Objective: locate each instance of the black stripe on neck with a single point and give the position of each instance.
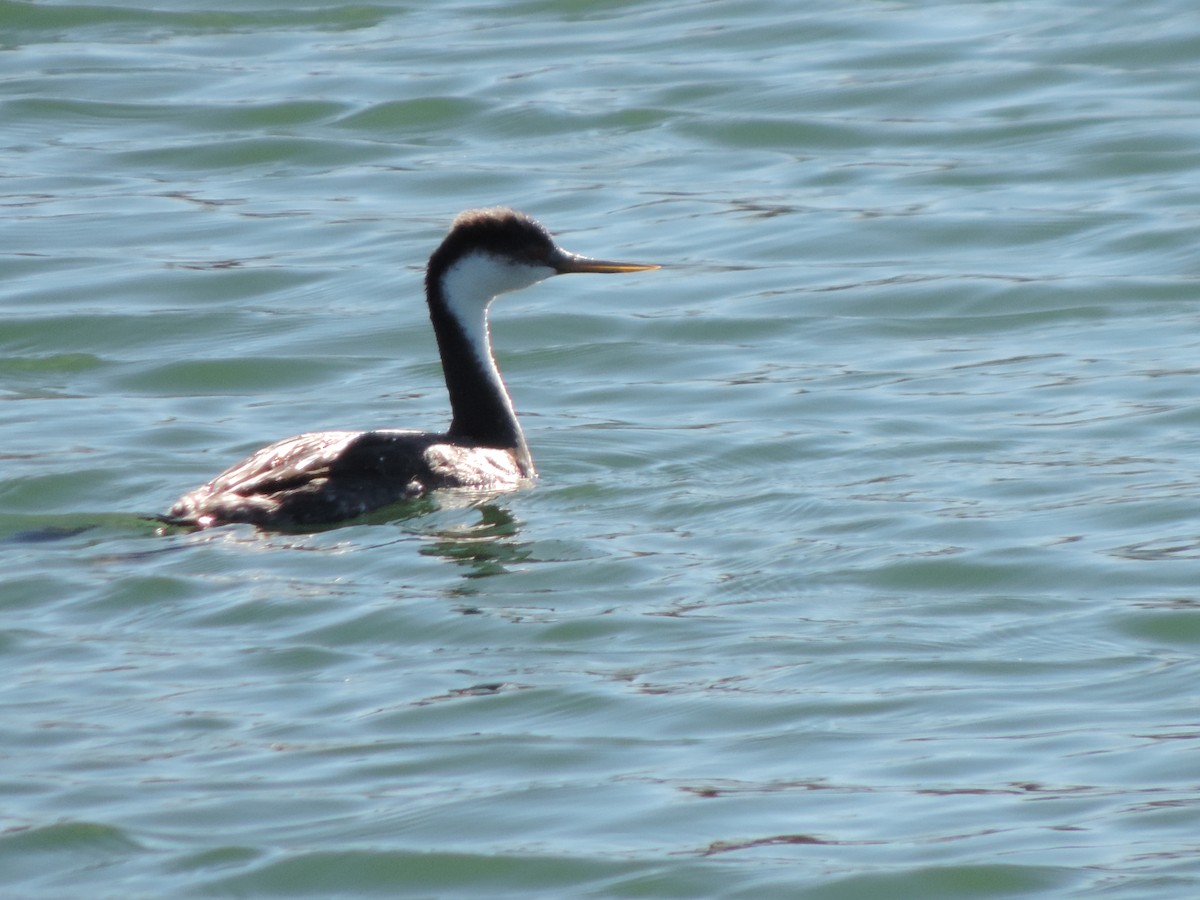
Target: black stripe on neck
(480, 407)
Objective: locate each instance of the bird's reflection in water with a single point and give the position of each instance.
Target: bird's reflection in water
(487, 547)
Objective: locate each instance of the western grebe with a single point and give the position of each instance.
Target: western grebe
(325, 477)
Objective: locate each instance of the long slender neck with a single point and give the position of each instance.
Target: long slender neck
(482, 412)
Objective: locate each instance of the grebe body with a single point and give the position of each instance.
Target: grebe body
(326, 477)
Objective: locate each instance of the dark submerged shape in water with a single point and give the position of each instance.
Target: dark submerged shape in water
(329, 476)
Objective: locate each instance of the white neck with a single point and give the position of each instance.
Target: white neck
(468, 289)
(482, 408)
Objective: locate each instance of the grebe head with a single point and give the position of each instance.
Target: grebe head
(497, 250)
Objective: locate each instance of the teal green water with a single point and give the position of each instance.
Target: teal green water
(865, 558)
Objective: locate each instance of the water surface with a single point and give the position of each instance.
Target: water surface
(865, 553)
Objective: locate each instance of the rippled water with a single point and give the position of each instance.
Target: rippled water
(865, 557)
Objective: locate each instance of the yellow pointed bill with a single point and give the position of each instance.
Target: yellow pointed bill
(571, 262)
